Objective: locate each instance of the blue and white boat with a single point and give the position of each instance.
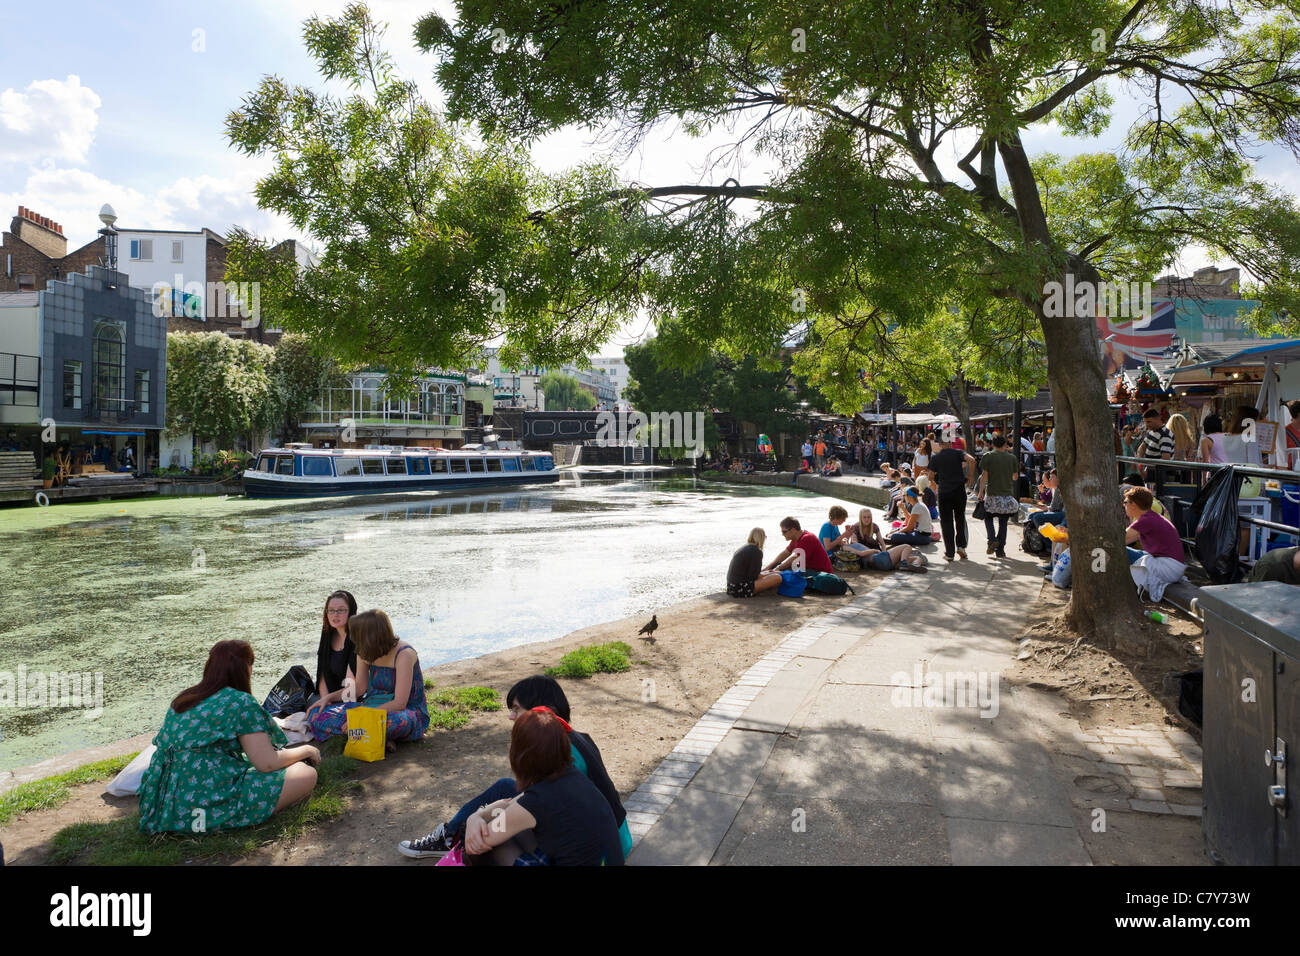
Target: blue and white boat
(300, 471)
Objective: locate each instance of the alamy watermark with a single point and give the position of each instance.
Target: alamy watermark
(26, 689)
(1084, 299)
(959, 689)
(211, 300)
(658, 429)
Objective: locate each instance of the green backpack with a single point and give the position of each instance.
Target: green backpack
(828, 583)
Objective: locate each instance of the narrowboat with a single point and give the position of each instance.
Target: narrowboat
(300, 471)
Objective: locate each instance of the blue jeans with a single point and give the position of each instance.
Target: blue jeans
(916, 538)
(503, 789)
(1039, 518)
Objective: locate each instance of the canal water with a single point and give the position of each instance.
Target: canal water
(138, 591)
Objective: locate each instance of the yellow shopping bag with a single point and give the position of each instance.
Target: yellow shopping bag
(367, 733)
(1053, 533)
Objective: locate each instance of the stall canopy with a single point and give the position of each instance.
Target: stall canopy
(907, 419)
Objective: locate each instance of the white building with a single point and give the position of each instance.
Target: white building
(616, 369)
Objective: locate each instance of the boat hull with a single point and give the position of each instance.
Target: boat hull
(257, 485)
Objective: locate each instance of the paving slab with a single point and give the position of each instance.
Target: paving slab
(835, 833)
(688, 834)
(1011, 782)
(997, 843)
(735, 765)
(877, 768)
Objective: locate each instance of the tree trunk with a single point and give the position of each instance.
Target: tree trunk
(959, 399)
(1104, 603)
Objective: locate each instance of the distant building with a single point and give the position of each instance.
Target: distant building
(616, 369)
(87, 353)
(364, 413)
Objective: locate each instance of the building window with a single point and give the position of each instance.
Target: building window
(26, 282)
(110, 365)
(142, 250)
(142, 389)
(71, 384)
(178, 250)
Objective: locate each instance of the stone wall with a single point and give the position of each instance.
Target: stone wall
(861, 491)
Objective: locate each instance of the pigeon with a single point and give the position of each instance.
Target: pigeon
(649, 628)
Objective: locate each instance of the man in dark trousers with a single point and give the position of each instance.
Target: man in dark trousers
(952, 470)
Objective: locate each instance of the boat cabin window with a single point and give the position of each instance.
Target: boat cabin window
(372, 466)
(476, 464)
(510, 464)
(458, 465)
(529, 464)
(439, 465)
(266, 463)
(493, 464)
(347, 466)
(396, 466)
(315, 465)
(418, 466)
(285, 465)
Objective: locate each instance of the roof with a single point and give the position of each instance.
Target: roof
(18, 300)
(1254, 352)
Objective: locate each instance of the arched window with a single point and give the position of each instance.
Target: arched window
(110, 365)
(370, 397)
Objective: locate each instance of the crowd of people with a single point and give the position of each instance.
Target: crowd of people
(222, 761)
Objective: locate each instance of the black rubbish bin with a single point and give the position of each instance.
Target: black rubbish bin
(1252, 722)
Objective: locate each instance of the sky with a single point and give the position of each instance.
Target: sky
(125, 104)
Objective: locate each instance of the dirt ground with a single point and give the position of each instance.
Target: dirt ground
(703, 647)
(1107, 689)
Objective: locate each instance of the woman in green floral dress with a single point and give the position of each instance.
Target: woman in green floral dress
(218, 764)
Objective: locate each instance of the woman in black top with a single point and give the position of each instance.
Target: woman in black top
(336, 656)
(745, 574)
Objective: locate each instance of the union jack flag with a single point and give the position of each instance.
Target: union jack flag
(1137, 342)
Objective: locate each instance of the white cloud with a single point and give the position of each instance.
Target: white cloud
(72, 197)
(49, 120)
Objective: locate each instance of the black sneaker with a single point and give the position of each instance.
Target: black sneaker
(436, 844)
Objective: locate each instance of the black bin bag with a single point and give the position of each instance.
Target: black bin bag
(1215, 513)
(294, 693)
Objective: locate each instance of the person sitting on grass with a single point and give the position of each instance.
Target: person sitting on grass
(221, 761)
(916, 530)
(336, 655)
(558, 818)
(388, 676)
(536, 691)
(803, 547)
(745, 576)
(1162, 563)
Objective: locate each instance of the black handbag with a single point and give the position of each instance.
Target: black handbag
(294, 693)
(979, 514)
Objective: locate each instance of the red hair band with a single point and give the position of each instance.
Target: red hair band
(563, 723)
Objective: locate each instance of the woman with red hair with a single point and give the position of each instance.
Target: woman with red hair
(219, 764)
(559, 817)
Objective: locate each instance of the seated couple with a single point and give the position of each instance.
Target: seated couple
(832, 468)
(559, 809)
(917, 527)
(746, 575)
(359, 657)
(862, 539)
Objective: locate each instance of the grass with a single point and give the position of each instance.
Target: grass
(609, 658)
(52, 792)
(453, 707)
(120, 842)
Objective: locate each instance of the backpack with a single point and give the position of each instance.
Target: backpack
(1033, 542)
(845, 560)
(828, 583)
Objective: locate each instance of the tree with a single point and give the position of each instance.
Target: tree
(861, 225)
(431, 247)
(564, 391)
(300, 373)
(219, 388)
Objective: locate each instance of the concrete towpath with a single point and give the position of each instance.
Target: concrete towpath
(838, 748)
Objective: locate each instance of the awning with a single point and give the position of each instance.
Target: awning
(87, 431)
(907, 418)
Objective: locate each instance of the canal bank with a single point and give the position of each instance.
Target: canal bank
(703, 645)
(859, 489)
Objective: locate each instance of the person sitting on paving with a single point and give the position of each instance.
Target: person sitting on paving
(1280, 564)
(803, 546)
(918, 526)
